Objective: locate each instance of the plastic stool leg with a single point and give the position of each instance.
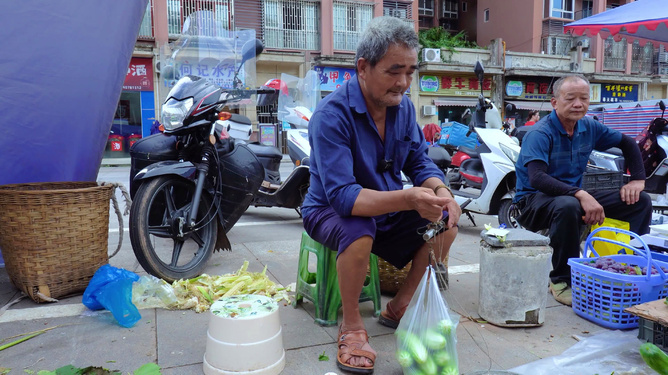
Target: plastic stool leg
(329, 296)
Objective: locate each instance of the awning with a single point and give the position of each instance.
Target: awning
(537, 105)
(455, 102)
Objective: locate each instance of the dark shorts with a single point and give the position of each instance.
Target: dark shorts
(396, 239)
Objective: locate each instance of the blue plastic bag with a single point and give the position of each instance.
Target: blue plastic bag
(111, 289)
(455, 135)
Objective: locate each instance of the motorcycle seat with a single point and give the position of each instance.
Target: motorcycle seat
(269, 152)
(472, 152)
(615, 151)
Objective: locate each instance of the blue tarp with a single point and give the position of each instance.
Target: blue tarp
(62, 67)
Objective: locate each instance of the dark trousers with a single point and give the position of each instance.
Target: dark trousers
(563, 216)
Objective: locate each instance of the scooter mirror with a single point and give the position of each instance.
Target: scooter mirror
(662, 105)
(510, 108)
(251, 49)
(479, 71)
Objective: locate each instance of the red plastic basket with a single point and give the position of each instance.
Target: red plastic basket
(601, 296)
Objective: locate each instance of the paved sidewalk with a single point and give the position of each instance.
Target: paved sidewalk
(175, 340)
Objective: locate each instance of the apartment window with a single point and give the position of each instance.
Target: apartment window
(291, 24)
(485, 15)
(426, 7)
(587, 8)
(449, 9)
(399, 9)
(146, 28)
(179, 10)
(614, 54)
(350, 19)
(562, 8)
(641, 60)
(465, 7)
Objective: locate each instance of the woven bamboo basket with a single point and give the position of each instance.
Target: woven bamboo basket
(391, 278)
(54, 235)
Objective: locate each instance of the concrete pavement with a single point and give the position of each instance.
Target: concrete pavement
(175, 340)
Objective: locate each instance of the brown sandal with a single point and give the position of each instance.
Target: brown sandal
(390, 318)
(351, 343)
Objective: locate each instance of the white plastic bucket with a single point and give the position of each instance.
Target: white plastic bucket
(244, 337)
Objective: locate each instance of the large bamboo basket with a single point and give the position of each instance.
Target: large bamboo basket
(54, 235)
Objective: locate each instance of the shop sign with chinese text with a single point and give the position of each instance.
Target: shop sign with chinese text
(332, 78)
(454, 85)
(529, 89)
(139, 76)
(618, 93)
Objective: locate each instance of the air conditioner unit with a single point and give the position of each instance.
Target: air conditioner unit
(431, 55)
(429, 110)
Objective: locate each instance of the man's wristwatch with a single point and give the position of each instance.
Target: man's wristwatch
(443, 186)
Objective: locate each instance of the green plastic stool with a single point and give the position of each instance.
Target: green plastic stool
(322, 287)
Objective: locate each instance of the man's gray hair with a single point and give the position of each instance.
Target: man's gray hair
(380, 34)
(556, 87)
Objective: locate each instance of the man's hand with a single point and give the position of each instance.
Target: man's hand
(427, 204)
(454, 211)
(630, 193)
(594, 213)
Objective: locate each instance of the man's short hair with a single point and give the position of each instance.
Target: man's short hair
(380, 34)
(556, 86)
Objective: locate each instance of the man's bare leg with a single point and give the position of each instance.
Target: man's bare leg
(351, 266)
(419, 265)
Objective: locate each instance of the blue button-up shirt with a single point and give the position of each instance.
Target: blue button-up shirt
(346, 150)
(566, 158)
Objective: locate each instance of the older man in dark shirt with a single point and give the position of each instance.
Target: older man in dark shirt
(362, 136)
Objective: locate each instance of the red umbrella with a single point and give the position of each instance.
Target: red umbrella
(642, 20)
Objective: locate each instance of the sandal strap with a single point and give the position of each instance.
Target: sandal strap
(395, 315)
(352, 342)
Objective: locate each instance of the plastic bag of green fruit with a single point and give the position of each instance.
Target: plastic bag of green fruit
(426, 338)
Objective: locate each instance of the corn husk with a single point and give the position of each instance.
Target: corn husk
(200, 292)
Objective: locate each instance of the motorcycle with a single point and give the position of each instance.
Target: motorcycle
(490, 167)
(191, 183)
(653, 144)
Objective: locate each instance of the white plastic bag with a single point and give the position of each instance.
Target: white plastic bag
(603, 353)
(426, 338)
(151, 292)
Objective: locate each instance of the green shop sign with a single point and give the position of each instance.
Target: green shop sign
(429, 83)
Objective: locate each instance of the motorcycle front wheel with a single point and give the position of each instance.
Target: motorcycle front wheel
(163, 247)
(508, 214)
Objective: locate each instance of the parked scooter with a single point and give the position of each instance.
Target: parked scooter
(653, 144)
(491, 166)
(191, 183)
(295, 109)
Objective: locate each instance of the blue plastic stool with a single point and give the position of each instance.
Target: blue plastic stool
(322, 287)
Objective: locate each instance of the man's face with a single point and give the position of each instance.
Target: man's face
(384, 84)
(572, 101)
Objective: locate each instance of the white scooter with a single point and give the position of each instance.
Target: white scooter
(495, 161)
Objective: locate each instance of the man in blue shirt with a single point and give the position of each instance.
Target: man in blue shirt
(549, 171)
(362, 136)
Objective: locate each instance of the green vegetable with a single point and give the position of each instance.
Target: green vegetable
(449, 371)
(404, 358)
(445, 326)
(323, 357)
(434, 340)
(429, 367)
(655, 358)
(415, 348)
(441, 357)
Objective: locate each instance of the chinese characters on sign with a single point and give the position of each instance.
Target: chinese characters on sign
(455, 85)
(139, 76)
(618, 93)
(332, 78)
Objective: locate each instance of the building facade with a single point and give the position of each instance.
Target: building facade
(522, 47)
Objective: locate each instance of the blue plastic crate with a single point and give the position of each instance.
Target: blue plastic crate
(601, 296)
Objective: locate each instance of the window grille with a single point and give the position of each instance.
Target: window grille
(641, 60)
(146, 27)
(178, 11)
(399, 9)
(292, 24)
(426, 7)
(350, 19)
(450, 9)
(553, 45)
(614, 54)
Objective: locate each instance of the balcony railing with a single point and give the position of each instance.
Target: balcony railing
(614, 55)
(641, 60)
(350, 20)
(291, 24)
(146, 28)
(179, 10)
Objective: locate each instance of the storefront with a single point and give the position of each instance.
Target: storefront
(135, 113)
(527, 94)
(450, 97)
